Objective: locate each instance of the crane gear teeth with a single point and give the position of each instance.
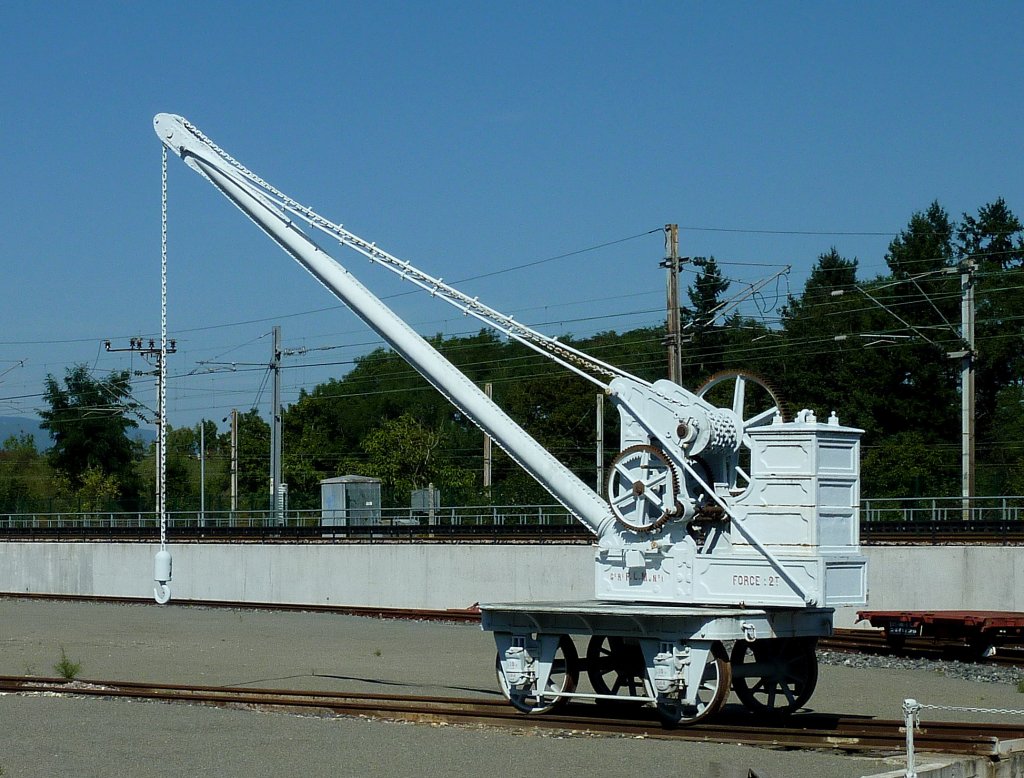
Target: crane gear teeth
(726, 375)
(635, 473)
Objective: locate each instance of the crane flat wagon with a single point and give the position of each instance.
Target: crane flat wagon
(723, 520)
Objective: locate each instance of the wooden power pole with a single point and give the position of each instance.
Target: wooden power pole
(673, 338)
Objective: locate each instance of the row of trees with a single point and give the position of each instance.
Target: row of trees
(876, 350)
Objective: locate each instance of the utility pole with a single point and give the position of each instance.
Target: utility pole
(966, 356)
(673, 338)
(488, 460)
(276, 492)
(600, 444)
(202, 473)
(967, 381)
(153, 349)
(234, 463)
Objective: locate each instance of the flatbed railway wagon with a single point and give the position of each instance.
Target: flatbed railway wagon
(723, 520)
(984, 632)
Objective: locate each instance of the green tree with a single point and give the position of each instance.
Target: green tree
(825, 359)
(995, 238)
(846, 351)
(832, 272)
(705, 341)
(98, 490)
(993, 242)
(88, 420)
(920, 257)
(254, 457)
(184, 468)
(925, 245)
(907, 464)
(27, 481)
(1000, 461)
(407, 455)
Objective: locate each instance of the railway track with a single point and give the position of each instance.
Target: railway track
(807, 731)
(457, 615)
(864, 641)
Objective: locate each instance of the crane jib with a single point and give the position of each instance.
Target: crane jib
(551, 473)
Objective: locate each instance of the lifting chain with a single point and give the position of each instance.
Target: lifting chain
(162, 563)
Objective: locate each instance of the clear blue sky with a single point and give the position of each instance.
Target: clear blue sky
(468, 138)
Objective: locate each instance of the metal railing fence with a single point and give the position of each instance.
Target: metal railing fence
(943, 518)
(318, 519)
(942, 509)
(915, 518)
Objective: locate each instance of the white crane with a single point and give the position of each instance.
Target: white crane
(706, 505)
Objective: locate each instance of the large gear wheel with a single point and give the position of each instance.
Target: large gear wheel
(753, 408)
(642, 488)
(754, 403)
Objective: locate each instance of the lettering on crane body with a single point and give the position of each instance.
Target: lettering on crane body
(637, 576)
(756, 581)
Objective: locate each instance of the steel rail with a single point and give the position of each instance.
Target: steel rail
(863, 641)
(817, 731)
(459, 615)
(872, 641)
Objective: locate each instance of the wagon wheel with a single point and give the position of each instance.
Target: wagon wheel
(563, 678)
(897, 643)
(615, 665)
(774, 676)
(711, 696)
(754, 403)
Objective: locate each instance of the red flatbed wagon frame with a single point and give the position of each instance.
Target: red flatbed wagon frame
(980, 629)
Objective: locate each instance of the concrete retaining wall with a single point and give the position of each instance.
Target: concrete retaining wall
(385, 575)
(456, 576)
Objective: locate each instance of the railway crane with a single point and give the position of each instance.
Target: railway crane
(722, 524)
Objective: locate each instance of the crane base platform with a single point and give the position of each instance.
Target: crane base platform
(653, 620)
(672, 657)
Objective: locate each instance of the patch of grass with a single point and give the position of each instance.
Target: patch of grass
(1020, 686)
(65, 668)
(378, 652)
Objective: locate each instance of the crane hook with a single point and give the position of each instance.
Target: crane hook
(162, 576)
(162, 593)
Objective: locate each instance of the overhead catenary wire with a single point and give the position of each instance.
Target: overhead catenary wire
(724, 261)
(352, 361)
